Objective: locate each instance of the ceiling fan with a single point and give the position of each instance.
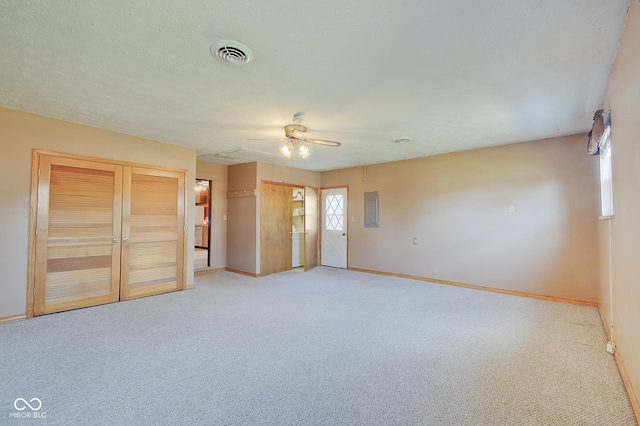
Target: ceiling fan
(296, 133)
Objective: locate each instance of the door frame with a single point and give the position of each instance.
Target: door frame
(311, 244)
(33, 210)
(209, 217)
(321, 220)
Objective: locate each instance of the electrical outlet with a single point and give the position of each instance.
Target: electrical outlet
(225, 217)
(415, 241)
(353, 218)
(611, 347)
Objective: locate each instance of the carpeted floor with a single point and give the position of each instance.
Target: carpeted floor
(200, 258)
(325, 347)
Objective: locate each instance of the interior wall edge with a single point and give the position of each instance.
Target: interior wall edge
(635, 404)
(481, 288)
(605, 323)
(618, 283)
(13, 318)
(237, 271)
(208, 271)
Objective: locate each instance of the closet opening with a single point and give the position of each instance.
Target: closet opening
(297, 228)
(288, 227)
(202, 246)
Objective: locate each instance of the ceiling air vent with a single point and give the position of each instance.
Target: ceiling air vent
(403, 140)
(231, 52)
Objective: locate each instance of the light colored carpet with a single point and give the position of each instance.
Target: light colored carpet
(325, 347)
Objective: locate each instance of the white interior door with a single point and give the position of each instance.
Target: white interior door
(334, 227)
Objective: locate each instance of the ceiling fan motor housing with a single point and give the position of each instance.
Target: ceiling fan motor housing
(295, 131)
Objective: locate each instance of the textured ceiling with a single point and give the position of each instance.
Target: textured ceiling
(451, 75)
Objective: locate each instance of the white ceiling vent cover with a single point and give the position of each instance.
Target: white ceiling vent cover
(403, 140)
(231, 52)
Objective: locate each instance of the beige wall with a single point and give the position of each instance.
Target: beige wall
(282, 174)
(20, 133)
(622, 97)
(457, 205)
(217, 174)
(242, 219)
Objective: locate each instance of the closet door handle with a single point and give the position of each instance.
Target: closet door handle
(116, 241)
(126, 240)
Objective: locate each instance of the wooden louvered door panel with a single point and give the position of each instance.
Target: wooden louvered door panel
(77, 234)
(152, 231)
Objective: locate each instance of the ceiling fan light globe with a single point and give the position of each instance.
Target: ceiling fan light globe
(286, 150)
(304, 151)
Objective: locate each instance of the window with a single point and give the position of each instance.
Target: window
(606, 184)
(335, 213)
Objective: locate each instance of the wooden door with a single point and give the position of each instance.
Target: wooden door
(310, 228)
(275, 228)
(152, 232)
(78, 224)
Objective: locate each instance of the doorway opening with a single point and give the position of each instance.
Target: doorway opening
(297, 228)
(202, 254)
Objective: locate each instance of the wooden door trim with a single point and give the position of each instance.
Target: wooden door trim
(292, 185)
(182, 218)
(106, 160)
(126, 232)
(335, 187)
(33, 210)
(43, 186)
(318, 226)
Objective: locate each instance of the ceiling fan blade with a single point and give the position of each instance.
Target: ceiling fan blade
(325, 143)
(268, 139)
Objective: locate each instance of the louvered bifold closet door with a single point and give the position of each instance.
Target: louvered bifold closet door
(152, 231)
(77, 234)
(276, 210)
